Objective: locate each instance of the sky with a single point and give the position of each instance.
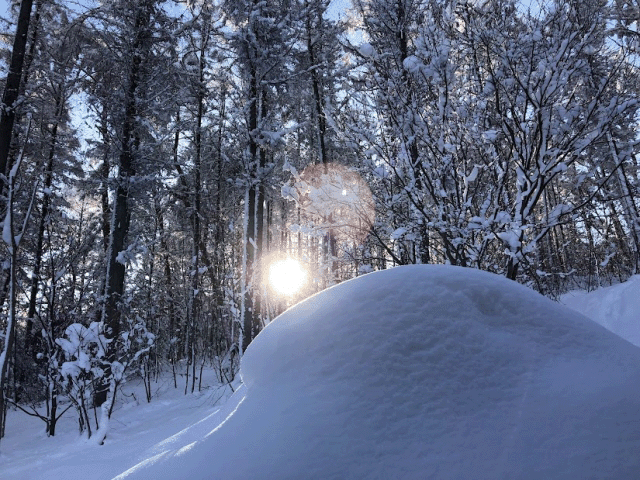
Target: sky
(334, 8)
(4, 9)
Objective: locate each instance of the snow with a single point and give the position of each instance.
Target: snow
(411, 63)
(136, 431)
(616, 308)
(511, 238)
(398, 233)
(415, 372)
(423, 372)
(6, 230)
(472, 176)
(367, 50)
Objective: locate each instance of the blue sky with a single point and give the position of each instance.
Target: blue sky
(4, 8)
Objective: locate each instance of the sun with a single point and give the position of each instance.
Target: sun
(287, 276)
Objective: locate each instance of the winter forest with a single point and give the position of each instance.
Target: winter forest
(157, 157)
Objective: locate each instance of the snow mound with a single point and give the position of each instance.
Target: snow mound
(617, 308)
(425, 372)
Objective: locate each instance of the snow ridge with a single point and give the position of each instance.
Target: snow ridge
(426, 372)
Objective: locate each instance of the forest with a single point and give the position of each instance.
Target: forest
(157, 156)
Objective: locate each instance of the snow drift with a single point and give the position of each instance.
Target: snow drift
(616, 307)
(425, 372)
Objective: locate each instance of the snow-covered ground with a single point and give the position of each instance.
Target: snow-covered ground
(616, 308)
(137, 430)
(414, 372)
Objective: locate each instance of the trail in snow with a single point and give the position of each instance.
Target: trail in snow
(137, 431)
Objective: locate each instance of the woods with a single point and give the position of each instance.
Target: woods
(156, 156)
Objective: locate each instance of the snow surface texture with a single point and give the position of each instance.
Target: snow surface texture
(424, 372)
(616, 308)
(171, 420)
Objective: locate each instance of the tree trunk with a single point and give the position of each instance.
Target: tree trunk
(10, 331)
(13, 242)
(44, 214)
(251, 250)
(121, 217)
(12, 87)
(197, 185)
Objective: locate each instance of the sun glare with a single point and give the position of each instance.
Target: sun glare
(287, 276)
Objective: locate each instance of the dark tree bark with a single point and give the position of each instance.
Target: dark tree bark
(251, 250)
(104, 180)
(12, 87)
(197, 185)
(44, 214)
(116, 269)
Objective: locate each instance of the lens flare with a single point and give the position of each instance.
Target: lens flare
(336, 199)
(287, 276)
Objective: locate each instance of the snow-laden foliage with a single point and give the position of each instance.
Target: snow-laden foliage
(487, 129)
(83, 371)
(82, 348)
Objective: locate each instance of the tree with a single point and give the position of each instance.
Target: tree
(12, 239)
(12, 86)
(133, 35)
(482, 114)
(259, 43)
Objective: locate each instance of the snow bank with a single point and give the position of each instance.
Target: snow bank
(425, 372)
(616, 308)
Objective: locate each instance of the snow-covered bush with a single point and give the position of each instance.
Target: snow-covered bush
(87, 372)
(136, 345)
(84, 352)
